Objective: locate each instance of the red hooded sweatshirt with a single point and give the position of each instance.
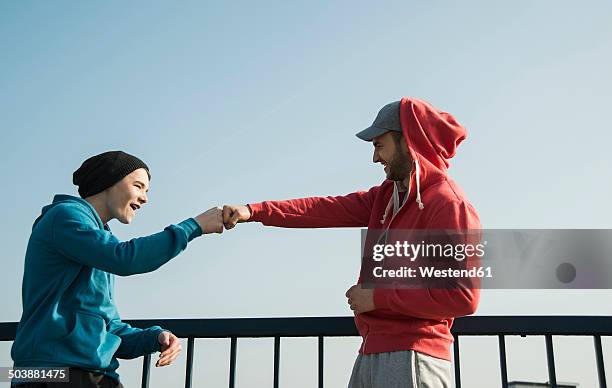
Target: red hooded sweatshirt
(404, 319)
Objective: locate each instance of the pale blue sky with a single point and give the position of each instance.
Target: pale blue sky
(241, 102)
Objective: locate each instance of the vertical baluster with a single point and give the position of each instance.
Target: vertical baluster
(457, 364)
(146, 369)
(502, 361)
(552, 376)
(276, 360)
(320, 361)
(232, 366)
(601, 370)
(189, 368)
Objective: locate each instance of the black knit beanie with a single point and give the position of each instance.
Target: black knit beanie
(100, 172)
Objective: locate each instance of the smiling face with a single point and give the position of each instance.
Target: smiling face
(391, 151)
(125, 197)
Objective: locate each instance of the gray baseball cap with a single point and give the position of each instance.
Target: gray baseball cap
(388, 119)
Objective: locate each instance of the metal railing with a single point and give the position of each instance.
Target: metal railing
(321, 327)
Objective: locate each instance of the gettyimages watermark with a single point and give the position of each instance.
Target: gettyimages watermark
(487, 258)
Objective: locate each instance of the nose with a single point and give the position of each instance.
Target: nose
(375, 158)
(143, 198)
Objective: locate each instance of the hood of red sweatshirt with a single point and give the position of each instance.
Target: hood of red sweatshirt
(432, 137)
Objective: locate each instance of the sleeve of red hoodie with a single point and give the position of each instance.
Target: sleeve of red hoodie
(436, 303)
(352, 210)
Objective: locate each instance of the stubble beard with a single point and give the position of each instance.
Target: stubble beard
(399, 167)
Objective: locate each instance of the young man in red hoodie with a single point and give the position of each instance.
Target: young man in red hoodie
(406, 332)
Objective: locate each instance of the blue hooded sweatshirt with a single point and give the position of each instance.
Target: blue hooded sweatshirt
(69, 314)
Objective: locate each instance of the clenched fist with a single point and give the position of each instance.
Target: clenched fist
(233, 214)
(211, 221)
(360, 299)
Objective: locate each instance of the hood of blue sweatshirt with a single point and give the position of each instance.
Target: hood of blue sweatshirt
(63, 199)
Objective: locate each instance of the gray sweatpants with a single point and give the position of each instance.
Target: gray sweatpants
(403, 369)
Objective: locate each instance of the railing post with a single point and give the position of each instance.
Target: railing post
(146, 369)
(321, 361)
(502, 361)
(232, 366)
(189, 368)
(457, 364)
(552, 376)
(276, 360)
(601, 370)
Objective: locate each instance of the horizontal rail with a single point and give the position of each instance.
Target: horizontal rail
(534, 325)
(345, 326)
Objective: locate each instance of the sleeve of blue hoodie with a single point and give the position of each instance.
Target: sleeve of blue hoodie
(77, 235)
(135, 342)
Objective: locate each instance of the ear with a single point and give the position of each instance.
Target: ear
(404, 146)
(404, 150)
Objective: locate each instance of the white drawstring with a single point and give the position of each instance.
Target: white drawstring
(418, 183)
(382, 221)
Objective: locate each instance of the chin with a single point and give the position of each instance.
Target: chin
(125, 220)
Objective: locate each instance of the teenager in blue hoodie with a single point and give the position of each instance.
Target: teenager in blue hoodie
(69, 315)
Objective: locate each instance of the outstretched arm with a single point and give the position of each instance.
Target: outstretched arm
(83, 241)
(352, 210)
